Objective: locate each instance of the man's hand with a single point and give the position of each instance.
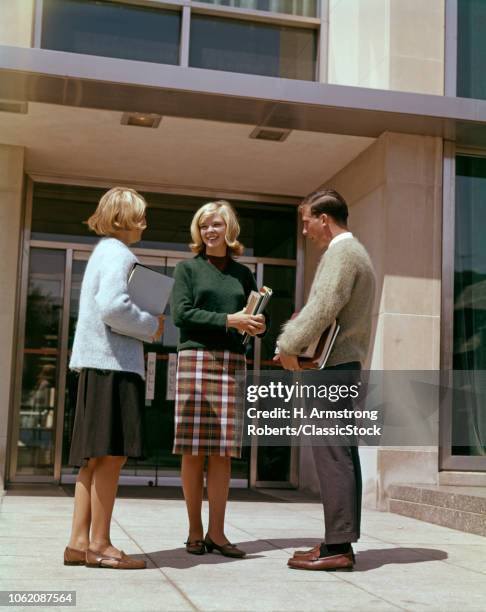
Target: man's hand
(288, 362)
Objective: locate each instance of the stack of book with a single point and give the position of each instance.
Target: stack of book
(257, 302)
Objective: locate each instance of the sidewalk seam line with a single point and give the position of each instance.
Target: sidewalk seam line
(168, 578)
(370, 593)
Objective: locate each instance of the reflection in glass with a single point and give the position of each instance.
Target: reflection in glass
(253, 48)
(36, 441)
(159, 412)
(72, 377)
(471, 49)
(305, 8)
(469, 415)
(273, 462)
(110, 29)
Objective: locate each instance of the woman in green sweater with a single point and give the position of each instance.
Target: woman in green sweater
(208, 298)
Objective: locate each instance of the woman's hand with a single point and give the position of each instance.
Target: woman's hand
(251, 324)
(160, 329)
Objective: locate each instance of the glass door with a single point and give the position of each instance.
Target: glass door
(463, 419)
(160, 466)
(34, 433)
(276, 466)
(46, 389)
(159, 402)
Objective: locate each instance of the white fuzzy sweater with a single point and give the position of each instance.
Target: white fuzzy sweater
(104, 302)
(343, 288)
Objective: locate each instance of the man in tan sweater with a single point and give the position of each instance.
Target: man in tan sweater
(343, 289)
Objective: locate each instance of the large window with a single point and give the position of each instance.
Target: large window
(469, 412)
(232, 42)
(471, 49)
(254, 48)
(111, 30)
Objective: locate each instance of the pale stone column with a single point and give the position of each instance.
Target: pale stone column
(17, 23)
(387, 44)
(11, 182)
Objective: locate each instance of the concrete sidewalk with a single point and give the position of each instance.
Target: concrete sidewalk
(402, 563)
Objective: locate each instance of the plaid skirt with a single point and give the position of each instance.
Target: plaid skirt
(209, 403)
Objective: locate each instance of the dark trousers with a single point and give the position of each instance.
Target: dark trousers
(339, 472)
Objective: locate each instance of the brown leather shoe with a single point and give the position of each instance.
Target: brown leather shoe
(97, 559)
(305, 553)
(342, 562)
(74, 557)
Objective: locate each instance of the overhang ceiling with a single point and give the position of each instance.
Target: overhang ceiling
(65, 141)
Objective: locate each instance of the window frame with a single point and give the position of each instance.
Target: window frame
(188, 7)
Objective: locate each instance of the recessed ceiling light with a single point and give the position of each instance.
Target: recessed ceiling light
(148, 120)
(10, 106)
(270, 133)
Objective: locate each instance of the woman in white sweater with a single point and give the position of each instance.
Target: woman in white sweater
(109, 419)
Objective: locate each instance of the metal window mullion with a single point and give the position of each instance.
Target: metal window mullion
(62, 365)
(300, 261)
(257, 354)
(450, 48)
(37, 24)
(185, 36)
(323, 43)
(448, 248)
(295, 449)
(447, 303)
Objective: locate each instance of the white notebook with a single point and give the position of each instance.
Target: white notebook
(150, 291)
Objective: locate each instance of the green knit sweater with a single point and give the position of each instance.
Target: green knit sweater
(203, 296)
(343, 288)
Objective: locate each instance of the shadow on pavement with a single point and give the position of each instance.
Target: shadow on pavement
(373, 558)
(366, 560)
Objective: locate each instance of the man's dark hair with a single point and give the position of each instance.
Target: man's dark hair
(327, 201)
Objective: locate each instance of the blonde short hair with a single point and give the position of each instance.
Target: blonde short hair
(120, 208)
(228, 214)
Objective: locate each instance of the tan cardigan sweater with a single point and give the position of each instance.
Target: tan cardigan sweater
(343, 288)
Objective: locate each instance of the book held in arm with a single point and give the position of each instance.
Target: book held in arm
(315, 356)
(150, 291)
(256, 304)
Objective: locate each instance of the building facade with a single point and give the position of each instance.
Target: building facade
(259, 102)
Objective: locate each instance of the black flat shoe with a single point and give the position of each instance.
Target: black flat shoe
(227, 550)
(196, 547)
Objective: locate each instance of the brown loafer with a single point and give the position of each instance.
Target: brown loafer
(227, 550)
(74, 557)
(305, 553)
(196, 547)
(97, 559)
(331, 563)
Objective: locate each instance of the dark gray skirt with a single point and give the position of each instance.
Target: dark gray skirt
(109, 419)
